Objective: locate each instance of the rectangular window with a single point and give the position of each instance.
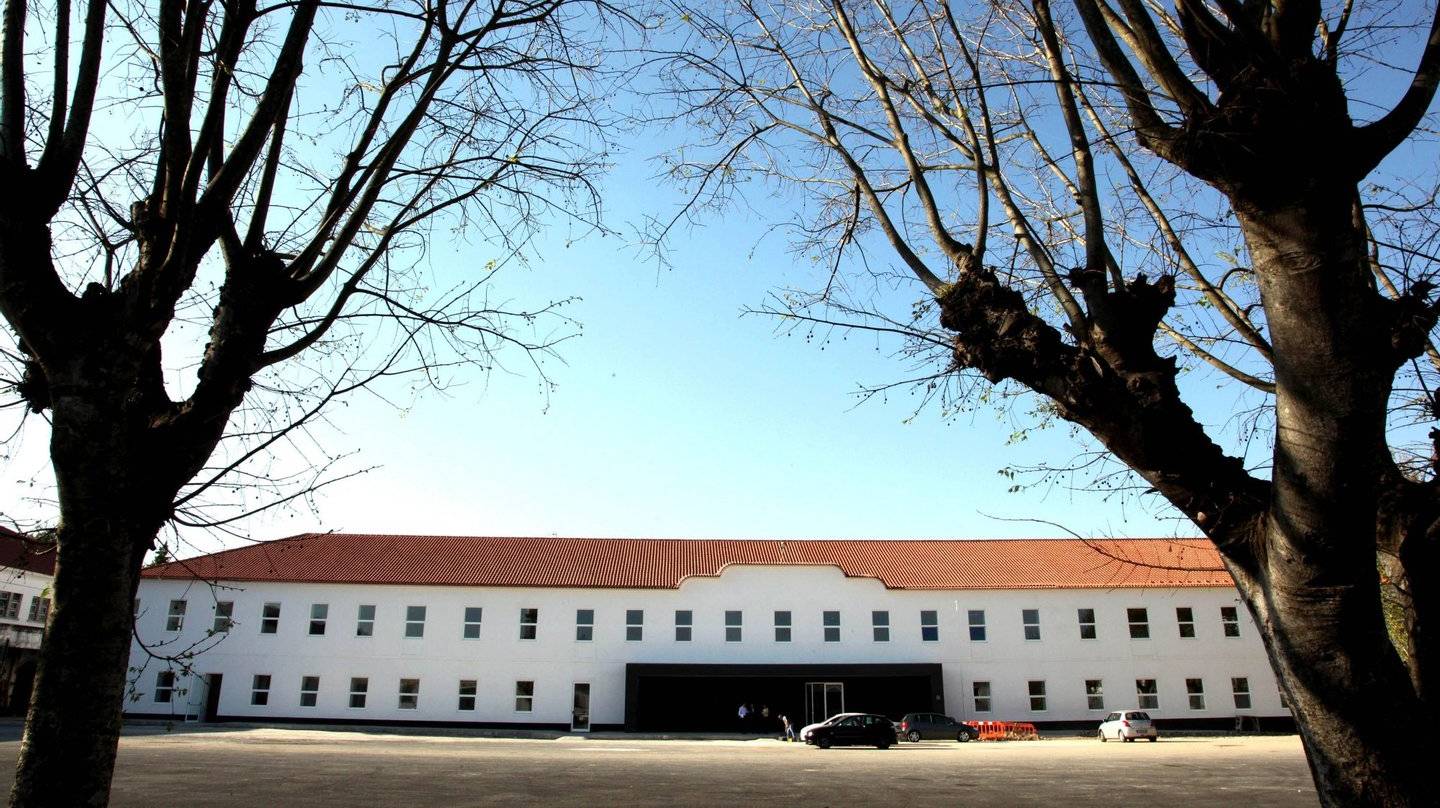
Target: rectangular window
(1094, 694)
(977, 625)
(174, 619)
(684, 622)
(224, 610)
(1087, 623)
(733, 625)
(1240, 687)
(1230, 621)
(10, 606)
(524, 697)
(929, 626)
(1185, 619)
(782, 627)
(1037, 697)
(409, 694)
(414, 622)
(584, 625)
(270, 618)
(1147, 694)
(164, 686)
(39, 609)
(319, 616)
(1031, 619)
(634, 625)
(880, 626)
(309, 690)
(365, 621)
(467, 694)
(471, 631)
(981, 692)
(1139, 625)
(832, 626)
(1195, 689)
(260, 690)
(359, 687)
(529, 623)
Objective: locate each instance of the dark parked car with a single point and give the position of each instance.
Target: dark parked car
(865, 729)
(915, 726)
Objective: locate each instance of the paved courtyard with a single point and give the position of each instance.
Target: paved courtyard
(244, 766)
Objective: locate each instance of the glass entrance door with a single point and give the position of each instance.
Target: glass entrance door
(822, 700)
(580, 715)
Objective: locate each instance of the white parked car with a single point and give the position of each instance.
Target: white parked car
(805, 730)
(1127, 725)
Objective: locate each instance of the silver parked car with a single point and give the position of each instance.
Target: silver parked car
(1127, 725)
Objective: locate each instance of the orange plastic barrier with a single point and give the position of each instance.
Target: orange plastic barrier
(1005, 730)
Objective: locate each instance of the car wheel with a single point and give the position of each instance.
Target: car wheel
(823, 743)
(883, 745)
(1101, 735)
(913, 736)
(962, 736)
(1154, 738)
(1127, 740)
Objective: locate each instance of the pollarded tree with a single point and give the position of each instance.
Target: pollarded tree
(1055, 184)
(253, 191)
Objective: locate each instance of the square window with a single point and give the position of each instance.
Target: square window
(1094, 694)
(524, 697)
(684, 622)
(471, 630)
(223, 611)
(782, 626)
(1240, 687)
(174, 619)
(1185, 619)
(1147, 694)
(10, 607)
(260, 690)
(414, 622)
(309, 690)
(359, 687)
(584, 625)
(1031, 619)
(733, 626)
(467, 695)
(1037, 696)
(1230, 621)
(529, 623)
(1139, 620)
(319, 614)
(880, 626)
(634, 625)
(409, 694)
(981, 692)
(831, 622)
(929, 626)
(1195, 689)
(976, 618)
(365, 621)
(1087, 623)
(270, 618)
(164, 686)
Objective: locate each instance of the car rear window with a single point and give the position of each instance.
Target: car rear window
(1139, 716)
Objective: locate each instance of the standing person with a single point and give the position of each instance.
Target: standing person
(744, 714)
(789, 728)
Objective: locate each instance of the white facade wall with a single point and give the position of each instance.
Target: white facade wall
(555, 660)
(24, 587)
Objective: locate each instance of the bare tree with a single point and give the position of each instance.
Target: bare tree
(1087, 205)
(254, 193)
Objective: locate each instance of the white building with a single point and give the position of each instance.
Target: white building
(27, 570)
(647, 634)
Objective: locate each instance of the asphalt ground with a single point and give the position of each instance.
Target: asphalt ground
(250, 767)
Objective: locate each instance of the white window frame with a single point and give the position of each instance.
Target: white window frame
(165, 687)
(830, 625)
(270, 623)
(1030, 619)
(1185, 619)
(1139, 629)
(39, 609)
(525, 696)
(468, 692)
(734, 625)
(1195, 692)
(980, 694)
(975, 619)
(359, 686)
(784, 627)
(260, 691)
(533, 624)
(880, 625)
(584, 625)
(1147, 699)
(930, 619)
(1240, 691)
(224, 616)
(470, 628)
(174, 616)
(1036, 690)
(634, 625)
(408, 693)
(684, 632)
(1080, 614)
(306, 690)
(365, 626)
(319, 619)
(415, 626)
(1230, 622)
(1095, 694)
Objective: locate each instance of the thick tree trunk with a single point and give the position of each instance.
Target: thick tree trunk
(113, 500)
(1317, 594)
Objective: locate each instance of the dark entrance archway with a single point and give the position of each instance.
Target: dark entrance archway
(706, 698)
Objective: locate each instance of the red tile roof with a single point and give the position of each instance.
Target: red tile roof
(21, 552)
(665, 563)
